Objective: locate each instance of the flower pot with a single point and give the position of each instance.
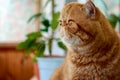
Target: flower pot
(47, 66)
(36, 71)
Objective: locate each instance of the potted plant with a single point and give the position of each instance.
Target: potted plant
(36, 42)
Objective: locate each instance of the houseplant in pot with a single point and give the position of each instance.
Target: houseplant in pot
(36, 43)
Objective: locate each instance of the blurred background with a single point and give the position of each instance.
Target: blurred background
(22, 20)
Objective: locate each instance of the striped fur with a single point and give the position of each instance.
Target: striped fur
(93, 46)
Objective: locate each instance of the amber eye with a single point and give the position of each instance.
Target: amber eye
(70, 21)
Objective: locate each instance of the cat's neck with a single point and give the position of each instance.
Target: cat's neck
(94, 52)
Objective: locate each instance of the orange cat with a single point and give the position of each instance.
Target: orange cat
(93, 46)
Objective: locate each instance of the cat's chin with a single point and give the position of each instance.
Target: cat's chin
(75, 40)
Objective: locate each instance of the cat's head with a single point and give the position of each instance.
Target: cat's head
(78, 24)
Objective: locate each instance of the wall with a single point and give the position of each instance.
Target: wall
(13, 19)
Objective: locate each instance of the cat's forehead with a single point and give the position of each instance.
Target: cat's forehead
(72, 5)
(70, 10)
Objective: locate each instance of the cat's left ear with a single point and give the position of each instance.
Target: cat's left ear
(90, 9)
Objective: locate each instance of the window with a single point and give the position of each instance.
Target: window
(13, 19)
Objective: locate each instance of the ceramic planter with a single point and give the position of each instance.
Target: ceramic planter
(47, 66)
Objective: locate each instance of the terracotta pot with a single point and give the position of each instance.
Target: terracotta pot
(36, 71)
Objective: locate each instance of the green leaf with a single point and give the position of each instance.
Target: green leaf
(54, 22)
(34, 17)
(62, 46)
(46, 23)
(29, 47)
(40, 49)
(20, 46)
(44, 30)
(23, 44)
(113, 19)
(34, 35)
(27, 51)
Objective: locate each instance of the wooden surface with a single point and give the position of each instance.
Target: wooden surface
(13, 64)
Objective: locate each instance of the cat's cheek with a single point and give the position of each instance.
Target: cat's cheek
(61, 32)
(73, 41)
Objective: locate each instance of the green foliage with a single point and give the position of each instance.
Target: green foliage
(31, 44)
(62, 46)
(34, 35)
(35, 40)
(46, 24)
(54, 22)
(40, 48)
(113, 19)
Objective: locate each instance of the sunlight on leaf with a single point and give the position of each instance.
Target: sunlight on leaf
(34, 35)
(54, 22)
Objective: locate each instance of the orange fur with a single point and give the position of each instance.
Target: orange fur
(93, 46)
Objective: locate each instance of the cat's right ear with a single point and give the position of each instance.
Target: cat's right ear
(90, 9)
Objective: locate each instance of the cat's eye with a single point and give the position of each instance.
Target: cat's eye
(71, 20)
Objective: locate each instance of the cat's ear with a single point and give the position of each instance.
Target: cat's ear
(90, 9)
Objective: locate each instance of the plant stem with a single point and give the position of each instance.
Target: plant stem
(53, 5)
(52, 34)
